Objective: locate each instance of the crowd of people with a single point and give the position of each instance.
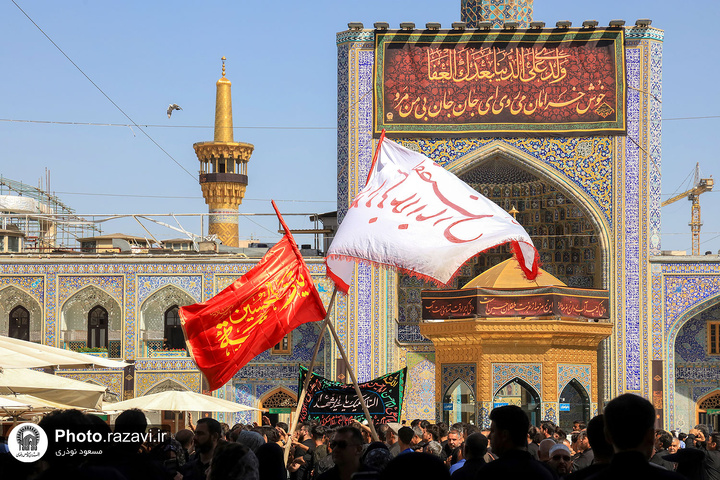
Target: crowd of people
(621, 443)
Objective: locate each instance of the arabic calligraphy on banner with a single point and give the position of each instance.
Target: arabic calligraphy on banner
(549, 301)
(523, 82)
(335, 403)
(273, 297)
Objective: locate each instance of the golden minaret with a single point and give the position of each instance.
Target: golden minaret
(223, 169)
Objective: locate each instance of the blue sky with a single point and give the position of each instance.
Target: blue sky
(281, 58)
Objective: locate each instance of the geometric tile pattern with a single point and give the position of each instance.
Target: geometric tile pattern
(243, 396)
(420, 394)
(567, 373)
(192, 284)
(695, 371)
(657, 317)
(30, 284)
(496, 12)
(549, 412)
(451, 372)
(631, 225)
(690, 295)
(530, 373)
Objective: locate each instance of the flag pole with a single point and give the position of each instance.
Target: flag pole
(355, 384)
(301, 397)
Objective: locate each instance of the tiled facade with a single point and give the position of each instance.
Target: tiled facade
(46, 285)
(616, 180)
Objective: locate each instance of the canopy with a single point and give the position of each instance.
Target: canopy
(35, 403)
(53, 388)
(16, 353)
(181, 401)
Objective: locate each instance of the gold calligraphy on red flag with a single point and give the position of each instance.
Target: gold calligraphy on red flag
(251, 315)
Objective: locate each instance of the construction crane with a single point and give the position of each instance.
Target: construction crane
(701, 185)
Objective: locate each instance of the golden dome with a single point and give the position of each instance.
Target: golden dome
(509, 275)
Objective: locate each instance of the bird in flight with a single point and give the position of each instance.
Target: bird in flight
(173, 106)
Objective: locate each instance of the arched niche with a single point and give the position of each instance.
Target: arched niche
(707, 410)
(74, 318)
(166, 385)
(687, 346)
(574, 404)
(562, 220)
(279, 398)
(459, 404)
(152, 314)
(11, 298)
(518, 392)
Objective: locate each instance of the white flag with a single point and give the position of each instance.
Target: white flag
(416, 216)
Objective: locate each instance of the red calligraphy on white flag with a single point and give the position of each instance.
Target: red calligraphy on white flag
(416, 216)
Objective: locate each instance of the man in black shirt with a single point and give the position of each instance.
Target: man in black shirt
(585, 456)
(663, 440)
(302, 465)
(508, 437)
(712, 458)
(630, 426)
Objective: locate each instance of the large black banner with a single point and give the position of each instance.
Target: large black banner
(335, 403)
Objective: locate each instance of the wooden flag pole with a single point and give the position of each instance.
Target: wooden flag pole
(355, 384)
(301, 397)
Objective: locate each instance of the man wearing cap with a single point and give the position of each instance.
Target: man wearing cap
(391, 437)
(560, 459)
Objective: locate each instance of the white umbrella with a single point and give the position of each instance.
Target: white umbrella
(184, 401)
(16, 353)
(16, 406)
(66, 391)
(35, 404)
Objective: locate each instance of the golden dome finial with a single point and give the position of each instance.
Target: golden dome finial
(223, 60)
(513, 212)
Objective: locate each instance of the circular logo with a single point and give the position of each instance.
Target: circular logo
(27, 442)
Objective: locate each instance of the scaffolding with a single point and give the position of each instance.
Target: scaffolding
(47, 223)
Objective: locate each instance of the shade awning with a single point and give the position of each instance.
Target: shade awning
(181, 401)
(16, 353)
(53, 388)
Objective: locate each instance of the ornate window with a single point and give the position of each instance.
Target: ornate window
(279, 399)
(97, 328)
(19, 326)
(710, 402)
(173, 336)
(284, 346)
(713, 337)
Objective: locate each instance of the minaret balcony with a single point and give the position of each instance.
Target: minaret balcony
(224, 177)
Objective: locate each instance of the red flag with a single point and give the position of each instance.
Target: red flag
(253, 314)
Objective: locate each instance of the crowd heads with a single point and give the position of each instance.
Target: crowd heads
(618, 444)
